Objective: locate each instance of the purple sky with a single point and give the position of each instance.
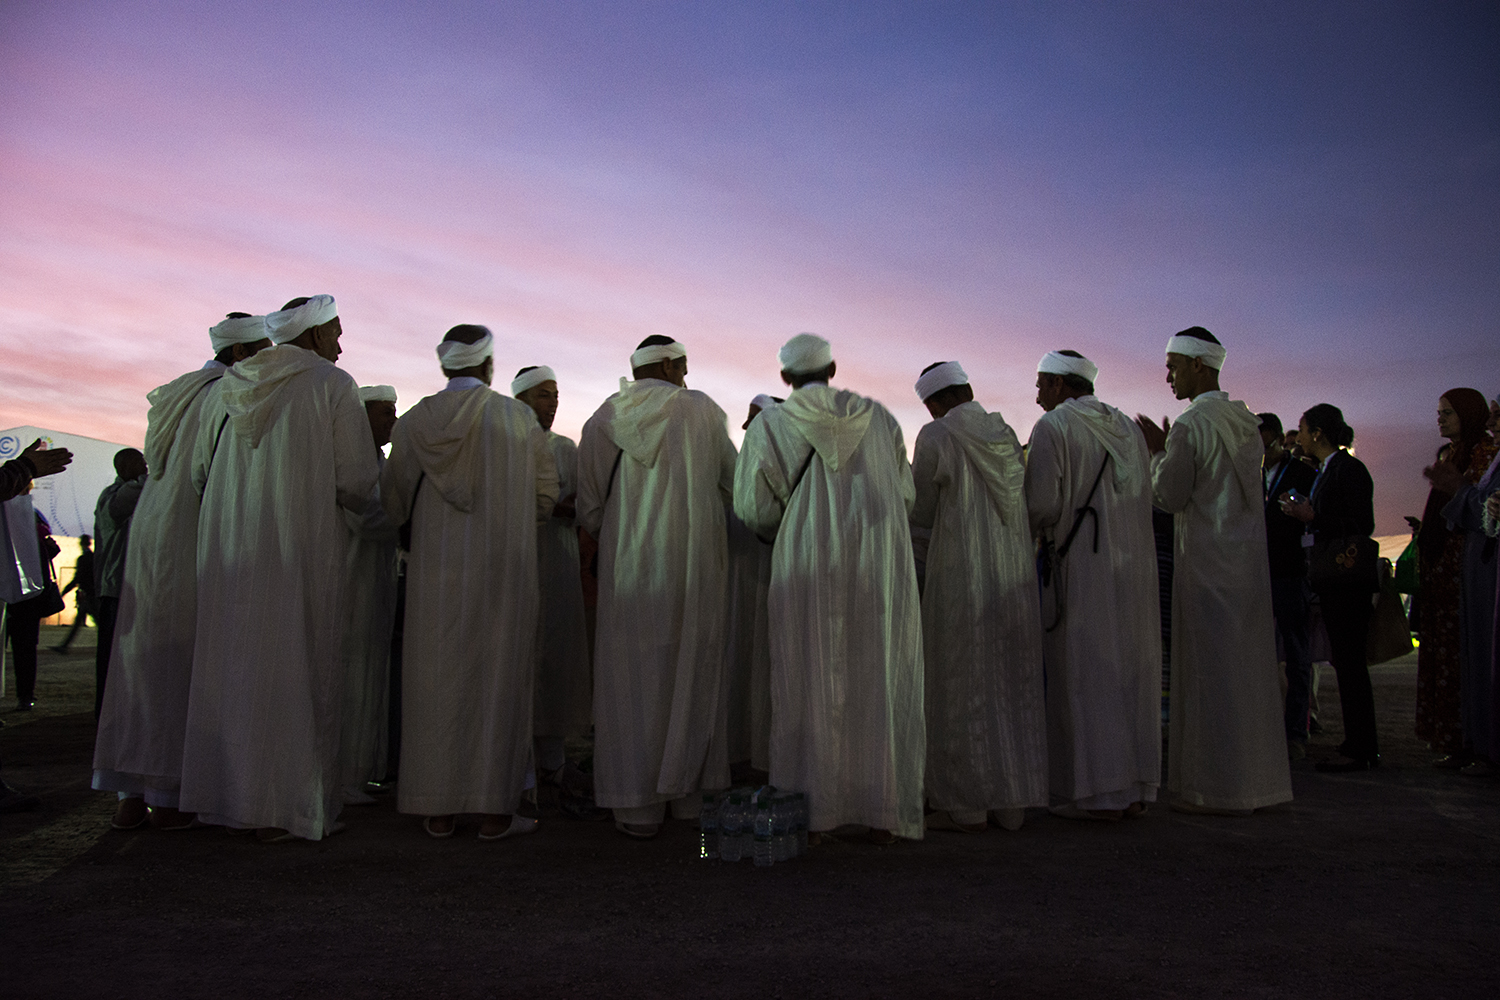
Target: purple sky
(1319, 184)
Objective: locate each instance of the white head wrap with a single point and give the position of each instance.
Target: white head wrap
(804, 354)
(289, 324)
(455, 355)
(653, 353)
(377, 394)
(939, 378)
(1054, 363)
(531, 379)
(764, 401)
(243, 330)
(1211, 354)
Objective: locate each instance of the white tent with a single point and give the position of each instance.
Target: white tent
(67, 499)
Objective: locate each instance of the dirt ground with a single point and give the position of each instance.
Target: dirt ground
(1382, 884)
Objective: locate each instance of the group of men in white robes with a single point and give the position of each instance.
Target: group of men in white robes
(761, 605)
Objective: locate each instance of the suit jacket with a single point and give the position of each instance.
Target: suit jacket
(1284, 532)
(1343, 499)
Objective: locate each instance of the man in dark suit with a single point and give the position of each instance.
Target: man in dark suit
(1290, 597)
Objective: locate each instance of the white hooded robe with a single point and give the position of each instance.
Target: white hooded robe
(472, 470)
(981, 627)
(1227, 748)
(1103, 654)
(372, 564)
(262, 743)
(655, 472)
(564, 683)
(845, 621)
(138, 748)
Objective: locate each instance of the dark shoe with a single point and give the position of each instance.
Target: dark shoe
(1349, 764)
(24, 706)
(1453, 761)
(59, 649)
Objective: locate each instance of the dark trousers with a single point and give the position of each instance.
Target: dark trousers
(109, 608)
(79, 620)
(1347, 618)
(1290, 603)
(23, 631)
(393, 719)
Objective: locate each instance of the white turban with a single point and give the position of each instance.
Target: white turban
(939, 378)
(653, 353)
(455, 355)
(764, 401)
(289, 324)
(1055, 363)
(243, 330)
(1210, 353)
(377, 394)
(804, 354)
(531, 379)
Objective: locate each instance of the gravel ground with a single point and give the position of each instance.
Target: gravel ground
(1379, 884)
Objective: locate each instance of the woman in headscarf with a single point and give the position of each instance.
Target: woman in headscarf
(1462, 418)
(1464, 514)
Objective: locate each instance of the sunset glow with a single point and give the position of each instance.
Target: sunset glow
(1317, 184)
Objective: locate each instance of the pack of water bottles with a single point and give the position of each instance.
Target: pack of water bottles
(764, 824)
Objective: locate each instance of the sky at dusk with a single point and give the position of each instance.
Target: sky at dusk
(1317, 183)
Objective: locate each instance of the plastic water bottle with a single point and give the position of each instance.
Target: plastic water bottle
(708, 827)
(782, 838)
(763, 833)
(799, 800)
(731, 826)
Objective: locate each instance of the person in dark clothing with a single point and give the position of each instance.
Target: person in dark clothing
(15, 479)
(1290, 597)
(83, 582)
(1342, 508)
(112, 516)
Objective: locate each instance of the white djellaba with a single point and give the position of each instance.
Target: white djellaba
(981, 626)
(845, 620)
(372, 566)
(1103, 652)
(471, 469)
(263, 714)
(749, 637)
(138, 749)
(655, 472)
(1227, 744)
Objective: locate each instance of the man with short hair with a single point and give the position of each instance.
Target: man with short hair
(981, 627)
(1290, 597)
(655, 472)
(825, 474)
(564, 683)
(283, 444)
(138, 750)
(371, 567)
(1089, 503)
(1226, 754)
(472, 471)
(112, 516)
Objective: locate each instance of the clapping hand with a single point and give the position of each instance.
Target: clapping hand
(1444, 476)
(46, 461)
(1156, 437)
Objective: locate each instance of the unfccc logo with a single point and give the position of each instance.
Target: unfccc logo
(10, 447)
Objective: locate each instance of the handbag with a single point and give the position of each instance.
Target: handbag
(1390, 634)
(1408, 574)
(1344, 564)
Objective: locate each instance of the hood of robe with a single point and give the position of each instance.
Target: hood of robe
(169, 403)
(1117, 434)
(641, 414)
(443, 439)
(1233, 423)
(252, 388)
(833, 421)
(992, 448)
